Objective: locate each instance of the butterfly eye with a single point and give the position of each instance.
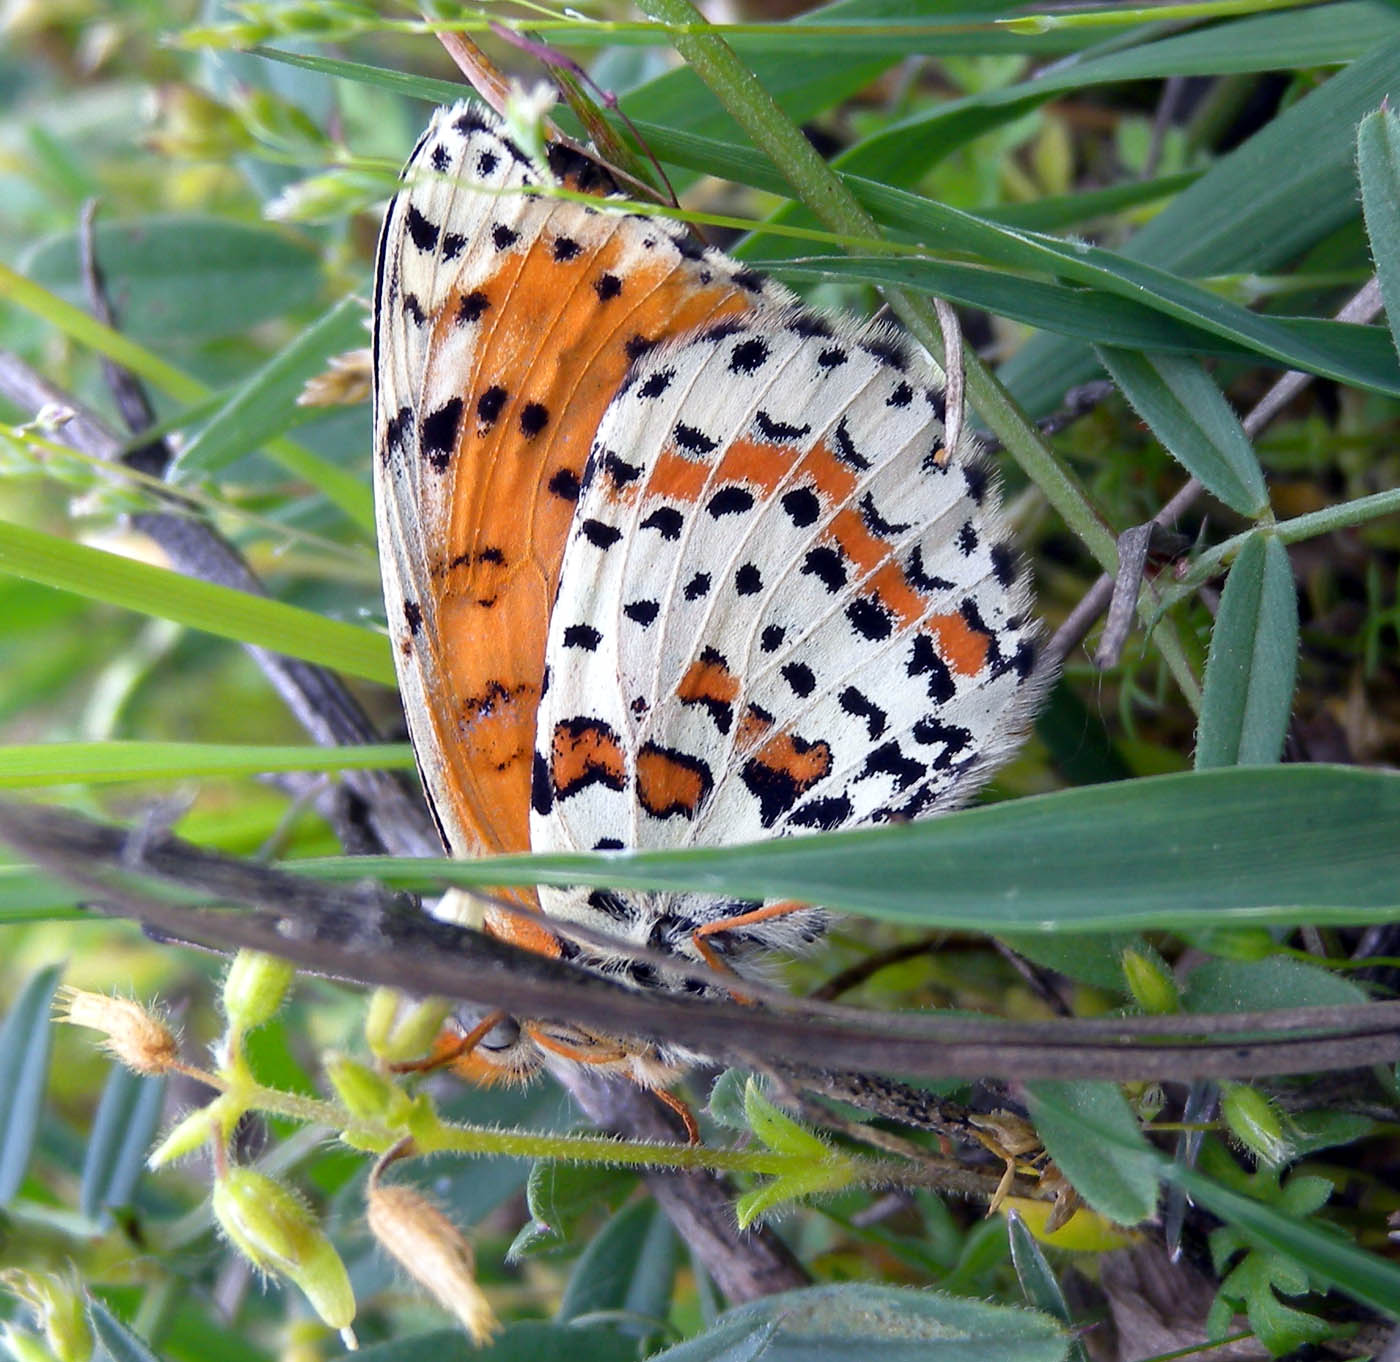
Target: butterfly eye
(503, 1036)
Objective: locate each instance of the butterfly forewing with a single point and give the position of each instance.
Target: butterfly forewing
(504, 323)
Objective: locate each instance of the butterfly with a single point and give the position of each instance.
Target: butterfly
(669, 560)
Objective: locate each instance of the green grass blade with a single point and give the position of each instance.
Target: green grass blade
(263, 406)
(1378, 165)
(25, 1041)
(123, 1129)
(254, 620)
(1305, 844)
(1286, 188)
(1330, 1257)
(1253, 659)
(347, 493)
(1366, 353)
(106, 763)
(1190, 416)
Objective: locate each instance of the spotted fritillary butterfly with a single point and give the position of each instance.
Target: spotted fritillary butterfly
(669, 560)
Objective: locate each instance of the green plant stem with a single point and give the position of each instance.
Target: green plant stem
(822, 191)
(431, 1135)
(1291, 531)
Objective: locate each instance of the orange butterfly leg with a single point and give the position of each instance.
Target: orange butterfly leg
(450, 1049)
(765, 914)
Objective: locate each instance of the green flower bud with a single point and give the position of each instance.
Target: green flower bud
(1150, 982)
(191, 1132)
(398, 1030)
(367, 1096)
(254, 988)
(1255, 1122)
(276, 1232)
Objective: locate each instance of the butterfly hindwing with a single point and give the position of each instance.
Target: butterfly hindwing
(784, 606)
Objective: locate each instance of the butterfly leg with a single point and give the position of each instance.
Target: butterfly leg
(728, 924)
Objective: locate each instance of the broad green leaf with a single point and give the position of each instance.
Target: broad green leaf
(175, 279)
(1248, 693)
(1378, 165)
(103, 763)
(25, 1041)
(894, 1324)
(1190, 416)
(1091, 1133)
(561, 1195)
(1305, 844)
(1258, 985)
(264, 405)
(629, 1266)
(254, 620)
(123, 1130)
(526, 1342)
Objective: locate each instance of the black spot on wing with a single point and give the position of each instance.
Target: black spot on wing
(413, 616)
(802, 506)
(771, 639)
(749, 356)
(666, 521)
(967, 539)
(437, 433)
(534, 417)
(810, 324)
(889, 760)
(642, 612)
(777, 431)
(860, 706)
(800, 679)
(748, 580)
(504, 237)
(845, 450)
(564, 484)
(877, 524)
(565, 248)
(541, 788)
(925, 661)
(825, 814)
(1004, 563)
(607, 287)
(656, 383)
(826, 564)
(600, 535)
(489, 404)
(918, 578)
(421, 232)
(731, 500)
(470, 306)
(582, 636)
(693, 441)
(870, 618)
(697, 587)
(887, 350)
